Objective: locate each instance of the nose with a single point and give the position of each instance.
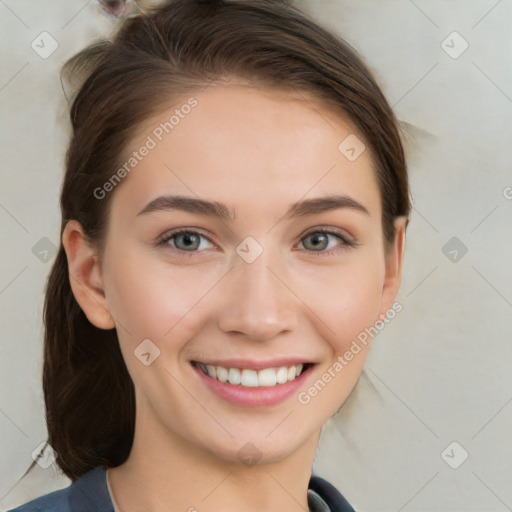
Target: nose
(256, 300)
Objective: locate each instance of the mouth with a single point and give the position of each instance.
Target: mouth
(273, 376)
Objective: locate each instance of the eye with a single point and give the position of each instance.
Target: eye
(319, 241)
(323, 240)
(185, 240)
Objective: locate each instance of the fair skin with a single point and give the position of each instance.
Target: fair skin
(256, 152)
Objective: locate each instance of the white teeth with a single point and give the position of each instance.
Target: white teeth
(249, 379)
(282, 375)
(267, 377)
(222, 374)
(234, 376)
(212, 371)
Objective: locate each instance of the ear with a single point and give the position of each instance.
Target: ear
(85, 276)
(394, 260)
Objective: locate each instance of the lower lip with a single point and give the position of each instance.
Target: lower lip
(253, 397)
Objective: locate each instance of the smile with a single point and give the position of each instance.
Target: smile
(250, 378)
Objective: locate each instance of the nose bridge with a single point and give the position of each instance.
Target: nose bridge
(257, 303)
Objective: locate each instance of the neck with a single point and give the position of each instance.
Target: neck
(166, 472)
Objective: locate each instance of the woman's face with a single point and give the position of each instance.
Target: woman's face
(255, 288)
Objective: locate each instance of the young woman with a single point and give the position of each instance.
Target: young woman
(233, 218)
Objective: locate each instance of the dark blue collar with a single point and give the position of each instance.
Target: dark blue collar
(89, 493)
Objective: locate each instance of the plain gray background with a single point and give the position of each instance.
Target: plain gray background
(440, 372)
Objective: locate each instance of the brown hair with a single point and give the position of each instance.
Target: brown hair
(180, 47)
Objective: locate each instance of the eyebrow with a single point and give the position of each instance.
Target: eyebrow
(221, 211)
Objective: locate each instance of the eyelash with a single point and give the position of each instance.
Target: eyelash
(345, 242)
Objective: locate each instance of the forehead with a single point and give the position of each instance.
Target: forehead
(247, 146)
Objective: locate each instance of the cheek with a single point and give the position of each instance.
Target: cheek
(349, 300)
(149, 297)
(349, 303)
(154, 299)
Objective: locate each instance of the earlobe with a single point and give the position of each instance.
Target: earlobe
(85, 276)
(394, 264)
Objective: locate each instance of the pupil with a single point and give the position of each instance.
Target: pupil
(318, 239)
(188, 240)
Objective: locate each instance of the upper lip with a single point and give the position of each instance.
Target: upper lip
(252, 364)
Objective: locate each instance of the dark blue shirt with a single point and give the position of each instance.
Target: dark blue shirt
(89, 493)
